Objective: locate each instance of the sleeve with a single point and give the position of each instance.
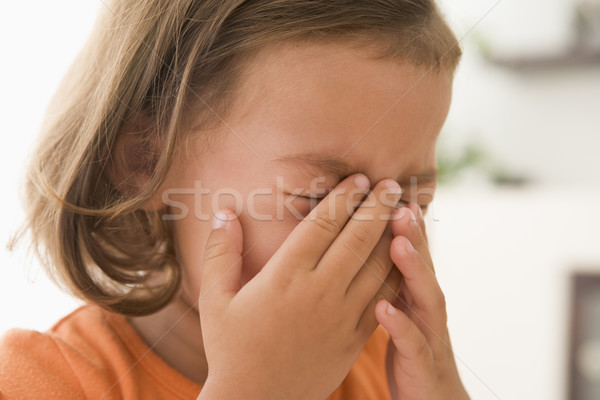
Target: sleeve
(32, 366)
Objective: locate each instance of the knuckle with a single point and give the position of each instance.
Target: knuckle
(381, 265)
(215, 250)
(326, 223)
(361, 237)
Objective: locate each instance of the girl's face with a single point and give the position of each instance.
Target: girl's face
(304, 117)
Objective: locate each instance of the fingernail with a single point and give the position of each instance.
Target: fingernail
(220, 219)
(362, 181)
(390, 309)
(393, 186)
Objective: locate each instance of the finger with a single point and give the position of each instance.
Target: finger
(403, 300)
(311, 238)
(405, 223)
(374, 272)
(418, 213)
(412, 348)
(428, 302)
(387, 291)
(222, 266)
(347, 255)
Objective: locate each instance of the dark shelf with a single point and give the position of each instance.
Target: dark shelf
(573, 58)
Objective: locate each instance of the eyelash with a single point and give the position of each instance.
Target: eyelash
(311, 197)
(405, 203)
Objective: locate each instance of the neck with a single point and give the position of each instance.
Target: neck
(174, 334)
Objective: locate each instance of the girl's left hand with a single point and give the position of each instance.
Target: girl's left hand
(421, 363)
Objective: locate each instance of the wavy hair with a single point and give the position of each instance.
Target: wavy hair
(149, 66)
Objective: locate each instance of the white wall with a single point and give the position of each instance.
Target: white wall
(39, 39)
(542, 122)
(503, 256)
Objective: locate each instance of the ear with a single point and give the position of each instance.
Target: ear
(132, 160)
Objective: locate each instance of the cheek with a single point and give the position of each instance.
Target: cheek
(263, 240)
(191, 231)
(265, 227)
(190, 236)
(266, 222)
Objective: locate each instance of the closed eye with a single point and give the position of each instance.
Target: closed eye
(312, 197)
(404, 203)
(401, 203)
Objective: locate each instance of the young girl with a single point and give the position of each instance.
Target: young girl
(213, 178)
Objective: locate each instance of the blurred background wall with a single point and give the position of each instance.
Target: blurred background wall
(515, 216)
(519, 213)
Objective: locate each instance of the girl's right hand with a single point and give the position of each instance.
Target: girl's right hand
(295, 330)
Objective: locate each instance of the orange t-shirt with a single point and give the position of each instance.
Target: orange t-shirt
(95, 354)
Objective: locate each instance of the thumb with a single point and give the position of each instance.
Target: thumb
(222, 266)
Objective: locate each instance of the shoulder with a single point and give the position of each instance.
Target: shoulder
(54, 364)
(367, 379)
(86, 333)
(32, 366)
(89, 354)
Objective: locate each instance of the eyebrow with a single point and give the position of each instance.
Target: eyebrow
(328, 165)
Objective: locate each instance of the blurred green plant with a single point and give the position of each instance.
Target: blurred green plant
(450, 166)
(475, 157)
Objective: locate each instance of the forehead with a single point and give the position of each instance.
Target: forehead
(379, 116)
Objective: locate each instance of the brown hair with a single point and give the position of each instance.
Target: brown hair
(147, 64)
